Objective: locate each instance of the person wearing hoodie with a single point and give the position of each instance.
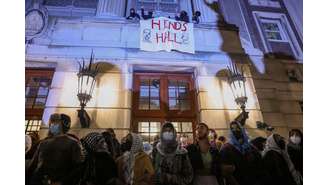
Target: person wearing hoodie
(278, 166)
(255, 160)
(99, 167)
(133, 15)
(204, 158)
(134, 166)
(112, 143)
(182, 17)
(144, 16)
(235, 153)
(295, 149)
(171, 162)
(58, 157)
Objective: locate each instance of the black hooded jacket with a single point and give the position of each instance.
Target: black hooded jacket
(195, 157)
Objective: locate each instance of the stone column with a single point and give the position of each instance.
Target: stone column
(208, 15)
(110, 8)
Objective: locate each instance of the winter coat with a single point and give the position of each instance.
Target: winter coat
(173, 169)
(99, 169)
(142, 166)
(256, 168)
(113, 145)
(276, 169)
(195, 157)
(296, 155)
(57, 159)
(232, 156)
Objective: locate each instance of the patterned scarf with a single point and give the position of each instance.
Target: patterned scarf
(92, 141)
(129, 158)
(168, 148)
(272, 145)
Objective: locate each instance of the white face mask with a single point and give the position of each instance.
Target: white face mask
(168, 136)
(295, 139)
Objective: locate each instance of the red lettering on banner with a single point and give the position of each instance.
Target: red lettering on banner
(184, 27)
(166, 26)
(171, 25)
(177, 25)
(157, 37)
(156, 23)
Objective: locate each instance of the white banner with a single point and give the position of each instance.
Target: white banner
(162, 33)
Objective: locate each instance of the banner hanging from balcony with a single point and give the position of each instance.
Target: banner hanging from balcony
(162, 33)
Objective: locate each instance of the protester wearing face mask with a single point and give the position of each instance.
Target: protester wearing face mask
(172, 165)
(134, 166)
(277, 164)
(59, 156)
(295, 149)
(235, 153)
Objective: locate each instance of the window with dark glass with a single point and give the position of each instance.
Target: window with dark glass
(149, 94)
(273, 30)
(74, 3)
(164, 7)
(36, 91)
(178, 95)
(71, 7)
(37, 86)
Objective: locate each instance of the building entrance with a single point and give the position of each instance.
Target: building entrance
(160, 97)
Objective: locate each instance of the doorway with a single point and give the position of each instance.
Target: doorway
(161, 97)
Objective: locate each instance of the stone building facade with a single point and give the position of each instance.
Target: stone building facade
(263, 36)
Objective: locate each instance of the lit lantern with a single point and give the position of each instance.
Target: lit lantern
(86, 83)
(237, 80)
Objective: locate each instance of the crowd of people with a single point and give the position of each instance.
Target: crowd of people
(182, 16)
(100, 159)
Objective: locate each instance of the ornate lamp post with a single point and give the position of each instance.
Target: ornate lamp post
(237, 80)
(86, 83)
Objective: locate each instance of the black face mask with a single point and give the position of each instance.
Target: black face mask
(261, 147)
(237, 133)
(126, 146)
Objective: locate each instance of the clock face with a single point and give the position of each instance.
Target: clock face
(34, 23)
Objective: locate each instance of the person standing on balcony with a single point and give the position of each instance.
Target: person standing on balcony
(133, 15)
